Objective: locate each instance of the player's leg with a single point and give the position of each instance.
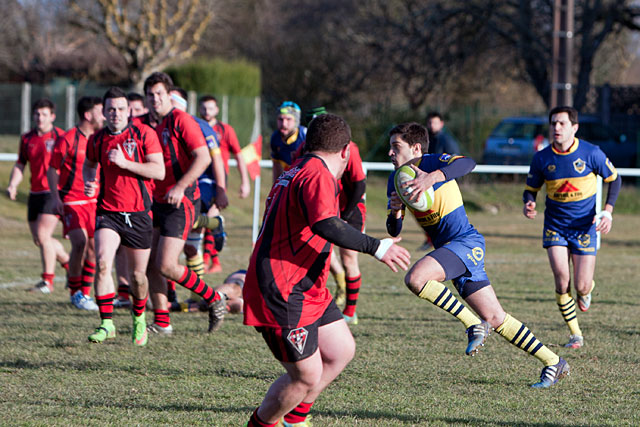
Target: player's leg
(107, 242)
(79, 244)
(353, 279)
(122, 276)
(89, 267)
(338, 273)
(158, 291)
(583, 269)
(138, 260)
(42, 231)
(559, 261)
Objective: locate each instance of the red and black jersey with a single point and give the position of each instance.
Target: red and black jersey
(122, 190)
(36, 150)
(353, 173)
(228, 142)
(68, 158)
(179, 135)
(285, 283)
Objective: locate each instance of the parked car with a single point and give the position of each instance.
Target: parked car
(516, 139)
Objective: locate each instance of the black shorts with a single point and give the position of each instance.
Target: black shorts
(293, 345)
(176, 222)
(357, 217)
(40, 203)
(134, 228)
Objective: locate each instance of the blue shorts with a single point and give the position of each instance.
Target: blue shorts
(580, 242)
(470, 250)
(207, 194)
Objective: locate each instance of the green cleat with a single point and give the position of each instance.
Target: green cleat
(139, 334)
(106, 330)
(351, 320)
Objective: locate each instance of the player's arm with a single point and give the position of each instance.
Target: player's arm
(535, 179)
(17, 173)
(276, 170)
(245, 183)
(357, 194)
(340, 233)
(529, 200)
(395, 214)
(456, 168)
(200, 160)
(217, 166)
(53, 179)
(604, 218)
(89, 176)
(151, 168)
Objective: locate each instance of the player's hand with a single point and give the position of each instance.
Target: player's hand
(395, 204)
(421, 183)
(58, 207)
(222, 201)
(12, 192)
(395, 255)
(245, 190)
(116, 156)
(90, 188)
(603, 222)
(529, 210)
(175, 195)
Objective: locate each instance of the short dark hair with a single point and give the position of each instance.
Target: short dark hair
(434, 114)
(135, 96)
(182, 92)
(207, 98)
(86, 103)
(43, 103)
(412, 133)
(329, 133)
(156, 78)
(114, 92)
(571, 112)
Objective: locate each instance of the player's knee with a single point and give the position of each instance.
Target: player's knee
(414, 281)
(101, 267)
(139, 278)
(168, 270)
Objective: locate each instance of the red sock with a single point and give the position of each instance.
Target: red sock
(353, 289)
(105, 305)
(299, 413)
(171, 285)
(48, 278)
(75, 283)
(161, 318)
(88, 273)
(123, 291)
(191, 281)
(255, 421)
(65, 265)
(208, 247)
(139, 305)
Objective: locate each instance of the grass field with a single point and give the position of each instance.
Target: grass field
(409, 369)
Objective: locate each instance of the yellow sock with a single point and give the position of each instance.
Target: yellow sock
(567, 306)
(205, 221)
(519, 335)
(438, 294)
(196, 264)
(341, 282)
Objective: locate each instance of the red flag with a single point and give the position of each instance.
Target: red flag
(252, 154)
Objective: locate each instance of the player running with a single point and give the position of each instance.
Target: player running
(130, 157)
(36, 147)
(568, 167)
(285, 292)
(78, 211)
(459, 250)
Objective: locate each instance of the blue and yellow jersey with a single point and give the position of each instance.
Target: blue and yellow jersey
(447, 218)
(212, 143)
(282, 151)
(570, 180)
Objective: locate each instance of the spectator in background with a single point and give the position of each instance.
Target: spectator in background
(440, 140)
(286, 140)
(36, 147)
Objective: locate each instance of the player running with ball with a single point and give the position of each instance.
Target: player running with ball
(459, 250)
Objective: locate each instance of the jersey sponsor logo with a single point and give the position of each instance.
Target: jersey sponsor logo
(298, 338)
(551, 168)
(130, 146)
(287, 176)
(579, 165)
(166, 137)
(476, 255)
(567, 191)
(584, 240)
(49, 143)
(550, 236)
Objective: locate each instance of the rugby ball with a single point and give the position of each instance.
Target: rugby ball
(424, 202)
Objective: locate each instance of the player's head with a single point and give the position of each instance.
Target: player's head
(288, 117)
(156, 88)
(179, 98)
(208, 109)
(116, 109)
(136, 104)
(328, 133)
(407, 141)
(44, 114)
(435, 123)
(315, 112)
(563, 124)
(89, 110)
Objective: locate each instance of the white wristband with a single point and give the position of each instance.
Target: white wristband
(604, 214)
(385, 244)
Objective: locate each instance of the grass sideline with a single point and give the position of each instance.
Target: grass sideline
(409, 369)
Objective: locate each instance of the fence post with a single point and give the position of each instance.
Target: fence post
(225, 109)
(71, 102)
(25, 106)
(192, 101)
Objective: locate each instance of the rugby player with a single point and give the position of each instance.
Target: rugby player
(459, 250)
(568, 167)
(286, 140)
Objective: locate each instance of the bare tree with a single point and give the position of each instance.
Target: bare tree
(149, 34)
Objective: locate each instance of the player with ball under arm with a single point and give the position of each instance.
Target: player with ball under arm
(459, 249)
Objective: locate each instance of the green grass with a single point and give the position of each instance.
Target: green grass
(409, 369)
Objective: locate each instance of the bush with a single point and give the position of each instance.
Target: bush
(218, 76)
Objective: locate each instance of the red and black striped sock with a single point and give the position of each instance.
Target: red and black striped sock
(75, 283)
(123, 291)
(48, 278)
(191, 281)
(353, 289)
(255, 421)
(299, 413)
(209, 246)
(105, 305)
(161, 318)
(88, 273)
(65, 265)
(138, 306)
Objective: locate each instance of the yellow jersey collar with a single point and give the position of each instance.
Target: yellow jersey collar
(571, 149)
